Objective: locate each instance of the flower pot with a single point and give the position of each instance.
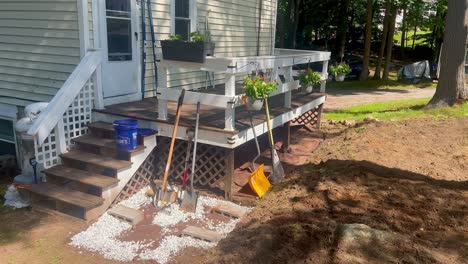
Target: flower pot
(309, 89)
(187, 51)
(255, 105)
(340, 77)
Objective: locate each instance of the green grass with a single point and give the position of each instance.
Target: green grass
(409, 38)
(397, 110)
(380, 84)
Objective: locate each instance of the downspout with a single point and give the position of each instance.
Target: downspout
(259, 25)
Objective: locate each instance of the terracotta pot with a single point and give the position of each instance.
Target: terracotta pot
(340, 77)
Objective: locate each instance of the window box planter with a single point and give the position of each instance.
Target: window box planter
(187, 51)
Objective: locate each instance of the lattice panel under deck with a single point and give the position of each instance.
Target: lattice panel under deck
(211, 166)
(311, 117)
(78, 114)
(140, 179)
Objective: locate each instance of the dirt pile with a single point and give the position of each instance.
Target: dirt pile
(405, 178)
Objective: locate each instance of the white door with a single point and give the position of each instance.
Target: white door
(119, 27)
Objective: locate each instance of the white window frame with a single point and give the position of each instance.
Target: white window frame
(193, 16)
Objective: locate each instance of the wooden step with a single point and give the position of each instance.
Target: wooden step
(106, 147)
(95, 163)
(83, 177)
(71, 197)
(102, 129)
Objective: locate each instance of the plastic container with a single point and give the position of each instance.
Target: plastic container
(126, 133)
(144, 132)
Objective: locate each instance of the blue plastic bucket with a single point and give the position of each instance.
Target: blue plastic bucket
(143, 132)
(126, 133)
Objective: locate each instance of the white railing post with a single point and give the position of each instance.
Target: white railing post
(97, 85)
(323, 83)
(288, 75)
(162, 102)
(230, 111)
(60, 140)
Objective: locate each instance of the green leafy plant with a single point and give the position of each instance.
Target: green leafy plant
(257, 88)
(197, 37)
(175, 37)
(340, 68)
(309, 78)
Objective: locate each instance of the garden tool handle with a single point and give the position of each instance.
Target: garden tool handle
(171, 148)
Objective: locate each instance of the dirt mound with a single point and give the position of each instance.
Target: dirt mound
(406, 178)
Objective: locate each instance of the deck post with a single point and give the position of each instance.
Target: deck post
(286, 137)
(230, 111)
(288, 75)
(229, 174)
(162, 102)
(97, 88)
(319, 117)
(323, 83)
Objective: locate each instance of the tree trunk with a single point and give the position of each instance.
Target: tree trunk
(414, 35)
(295, 15)
(451, 88)
(391, 31)
(367, 43)
(342, 28)
(384, 40)
(403, 33)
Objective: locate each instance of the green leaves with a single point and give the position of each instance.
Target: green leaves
(309, 78)
(340, 68)
(257, 88)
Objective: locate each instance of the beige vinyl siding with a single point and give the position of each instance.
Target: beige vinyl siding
(233, 26)
(39, 48)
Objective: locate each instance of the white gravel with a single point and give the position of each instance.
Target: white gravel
(102, 236)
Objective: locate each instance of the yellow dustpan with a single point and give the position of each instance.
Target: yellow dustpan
(259, 182)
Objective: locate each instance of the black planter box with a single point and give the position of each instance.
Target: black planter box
(187, 51)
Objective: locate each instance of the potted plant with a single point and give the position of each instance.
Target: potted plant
(308, 78)
(340, 70)
(257, 89)
(195, 50)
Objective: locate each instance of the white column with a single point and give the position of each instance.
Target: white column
(97, 88)
(162, 102)
(288, 75)
(60, 137)
(230, 111)
(323, 83)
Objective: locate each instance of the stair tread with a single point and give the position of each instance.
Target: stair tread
(104, 143)
(82, 176)
(102, 125)
(98, 160)
(80, 199)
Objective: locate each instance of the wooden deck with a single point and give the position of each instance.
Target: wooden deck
(211, 118)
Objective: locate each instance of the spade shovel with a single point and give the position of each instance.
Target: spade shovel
(278, 171)
(190, 198)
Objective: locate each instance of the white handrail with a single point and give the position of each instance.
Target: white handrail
(46, 122)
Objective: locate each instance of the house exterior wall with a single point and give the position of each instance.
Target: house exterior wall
(39, 48)
(233, 27)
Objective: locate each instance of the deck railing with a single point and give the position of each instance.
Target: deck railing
(280, 64)
(68, 112)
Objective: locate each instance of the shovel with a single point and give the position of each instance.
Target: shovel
(190, 198)
(162, 195)
(187, 156)
(278, 171)
(258, 182)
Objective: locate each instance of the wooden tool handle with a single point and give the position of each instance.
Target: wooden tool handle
(174, 133)
(268, 123)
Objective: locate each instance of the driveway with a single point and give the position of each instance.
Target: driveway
(343, 98)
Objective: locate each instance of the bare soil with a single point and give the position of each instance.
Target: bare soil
(407, 178)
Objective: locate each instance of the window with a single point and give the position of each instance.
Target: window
(184, 12)
(119, 30)
(7, 137)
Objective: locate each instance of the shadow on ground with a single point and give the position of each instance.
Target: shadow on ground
(300, 220)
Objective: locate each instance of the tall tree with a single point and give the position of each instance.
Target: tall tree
(450, 88)
(342, 27)
(391, 32)
(294, 16)
(403, 31)
(367, 42)
(388, 4)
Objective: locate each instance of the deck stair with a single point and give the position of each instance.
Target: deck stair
(91, 175)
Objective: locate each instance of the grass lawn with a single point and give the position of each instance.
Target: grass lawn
(409, 38)
(397, 110)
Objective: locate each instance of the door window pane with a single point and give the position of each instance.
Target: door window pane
(119, 30)
(182, 28)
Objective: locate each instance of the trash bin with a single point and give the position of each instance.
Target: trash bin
(126, 133)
